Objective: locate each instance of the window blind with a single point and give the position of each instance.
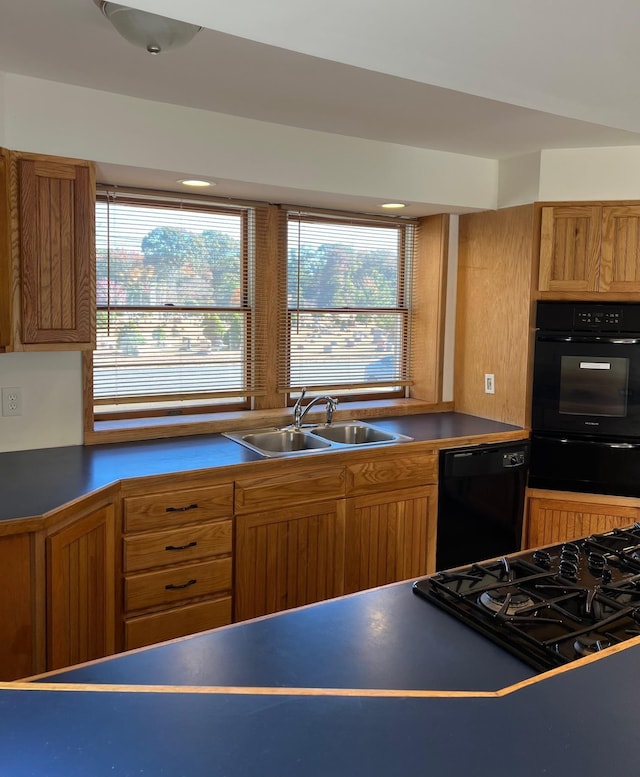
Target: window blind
(174, 305)
(348, 316)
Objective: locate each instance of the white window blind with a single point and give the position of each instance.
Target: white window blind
(174, 305)
(349, 305)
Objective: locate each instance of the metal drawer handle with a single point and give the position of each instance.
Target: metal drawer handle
(172, 587)
(181, 547)
(181, 509)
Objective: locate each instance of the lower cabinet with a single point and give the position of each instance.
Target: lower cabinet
(178, 580)
(378, 528)
(81, 564)
(17, 600)
(289, 557)
(390, 537)
(565, 517)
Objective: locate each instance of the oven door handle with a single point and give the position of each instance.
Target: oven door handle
(582, 339)
(598, 443)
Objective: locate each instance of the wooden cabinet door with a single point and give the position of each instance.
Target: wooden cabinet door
(6, 292)
(17, 597)
(289, 557)
(57, 226)
(81, 590)
(570, 240)
(620, 264)
(390, 537)
(553, 521)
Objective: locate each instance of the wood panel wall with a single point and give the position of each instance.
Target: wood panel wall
(494, 313)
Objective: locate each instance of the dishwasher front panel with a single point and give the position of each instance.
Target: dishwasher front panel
(481, 494)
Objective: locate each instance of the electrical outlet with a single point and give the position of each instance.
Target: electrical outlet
(11, 401)
(489, 383)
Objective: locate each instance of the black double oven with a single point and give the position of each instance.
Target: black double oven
(586, 398)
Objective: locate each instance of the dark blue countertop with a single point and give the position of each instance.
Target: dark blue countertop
(34, 482)
(581, 720)
(383, 638)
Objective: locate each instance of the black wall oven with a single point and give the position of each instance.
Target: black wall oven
(586, 398)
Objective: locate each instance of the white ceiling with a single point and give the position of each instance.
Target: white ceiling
(494, 79)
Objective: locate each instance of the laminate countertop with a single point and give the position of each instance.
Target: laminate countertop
(34, 482)
(377, 683)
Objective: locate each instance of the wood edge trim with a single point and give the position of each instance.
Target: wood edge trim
(235, 690)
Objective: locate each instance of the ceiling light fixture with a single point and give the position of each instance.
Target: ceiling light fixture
(392, 205)
(196, 182)
(147, 30)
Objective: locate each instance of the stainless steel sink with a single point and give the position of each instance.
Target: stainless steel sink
(282, 441)
(354, 433)
(289, 441)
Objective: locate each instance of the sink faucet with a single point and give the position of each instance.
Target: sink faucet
(299, 412)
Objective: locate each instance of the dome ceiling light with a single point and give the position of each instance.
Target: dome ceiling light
(147, 30)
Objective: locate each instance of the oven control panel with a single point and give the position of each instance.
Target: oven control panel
(598, 318)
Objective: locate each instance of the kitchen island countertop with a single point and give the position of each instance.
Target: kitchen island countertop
(192, 713)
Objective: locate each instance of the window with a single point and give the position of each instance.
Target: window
(174, 305)
(348, 312)
(209, 307)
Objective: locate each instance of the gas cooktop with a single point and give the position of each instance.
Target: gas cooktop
(549, 606)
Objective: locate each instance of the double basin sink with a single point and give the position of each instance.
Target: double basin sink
(289, 440)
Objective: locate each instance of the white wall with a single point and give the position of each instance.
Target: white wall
(54, 118)
(51, 400)
(590, 174)
(518, 180)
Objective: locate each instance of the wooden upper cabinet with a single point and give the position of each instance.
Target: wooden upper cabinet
(620, 262)
(56, 224)
(5, 253)
(570, 239)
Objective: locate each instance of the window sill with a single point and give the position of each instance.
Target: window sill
(187, 425)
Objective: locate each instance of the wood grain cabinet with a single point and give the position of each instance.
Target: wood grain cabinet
(590, 248)
(552, 520)
(6, 293)
(290, 531)
(81, 589)
(50, 288)
(390, 533)
(17, 607)
(334, 530)
(390, 537)
(177, 563)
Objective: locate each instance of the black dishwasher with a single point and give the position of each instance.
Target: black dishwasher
(480, 502)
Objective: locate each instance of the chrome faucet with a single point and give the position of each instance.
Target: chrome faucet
(299, 412)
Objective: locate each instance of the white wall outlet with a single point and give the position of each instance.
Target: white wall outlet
(489, 383)
(11, 401)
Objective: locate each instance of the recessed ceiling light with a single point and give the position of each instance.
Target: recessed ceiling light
(392, 205)
(196, 182)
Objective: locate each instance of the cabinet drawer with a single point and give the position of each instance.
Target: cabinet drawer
(158, 549)
(176, 584)
(172, 509)
(285, 490)
(189, 619)
(393, 471)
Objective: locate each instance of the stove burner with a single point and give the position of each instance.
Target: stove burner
(553, 605)
(586, 646)
(507, 600)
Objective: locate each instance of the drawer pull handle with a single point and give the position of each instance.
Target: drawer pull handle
(172, 587)
(181, 547)
(181, 509)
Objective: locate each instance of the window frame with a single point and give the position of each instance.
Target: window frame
(403, 310)
(428, 291)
